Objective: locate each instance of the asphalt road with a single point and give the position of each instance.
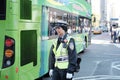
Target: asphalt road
(100, 61)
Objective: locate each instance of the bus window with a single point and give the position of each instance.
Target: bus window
(51, 29)
(56, 17)
(81, 25)
(2, 9)
(25, 9)
(74, 24)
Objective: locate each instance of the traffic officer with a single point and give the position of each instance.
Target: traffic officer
(63, 57)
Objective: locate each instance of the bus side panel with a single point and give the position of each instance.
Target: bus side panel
(11, 72)
(44, 42)
(44, 57)
(29, 57)
(79, 42)
(45, 50)
(2, 32)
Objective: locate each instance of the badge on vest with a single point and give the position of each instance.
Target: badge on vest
(71, 45)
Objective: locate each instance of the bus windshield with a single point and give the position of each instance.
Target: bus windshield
(2, 9)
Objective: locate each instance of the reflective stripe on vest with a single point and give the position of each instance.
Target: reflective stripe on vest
(61, 55)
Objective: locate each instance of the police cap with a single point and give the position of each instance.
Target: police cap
(63, 26)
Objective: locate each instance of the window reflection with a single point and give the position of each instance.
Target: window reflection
(76, 23)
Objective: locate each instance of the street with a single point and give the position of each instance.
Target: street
(101, 60)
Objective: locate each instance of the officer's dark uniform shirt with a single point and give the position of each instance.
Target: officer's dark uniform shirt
(71, 54)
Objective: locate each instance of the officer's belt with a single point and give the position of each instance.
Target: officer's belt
(62, 59)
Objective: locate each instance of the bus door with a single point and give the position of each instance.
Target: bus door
(7, 45)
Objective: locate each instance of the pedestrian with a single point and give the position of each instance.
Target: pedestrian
(118, 34)
(111, 32)
(114, 36)
(63, 57)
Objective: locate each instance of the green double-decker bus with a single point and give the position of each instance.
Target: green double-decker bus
(27, 32)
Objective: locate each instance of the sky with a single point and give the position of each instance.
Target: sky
(96, 6)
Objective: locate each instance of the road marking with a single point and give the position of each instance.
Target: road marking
(116, 65)
(117, 45)
(100, 42)
(97, 62)
(104, 42)
(97, 77)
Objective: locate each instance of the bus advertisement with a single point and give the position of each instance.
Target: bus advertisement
(27, 32)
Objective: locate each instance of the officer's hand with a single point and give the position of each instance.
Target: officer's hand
(51, 72)
(69, 75)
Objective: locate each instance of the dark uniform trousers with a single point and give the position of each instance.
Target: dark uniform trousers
(59, 74)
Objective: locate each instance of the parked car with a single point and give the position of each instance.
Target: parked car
(104, 28)
(96, 30)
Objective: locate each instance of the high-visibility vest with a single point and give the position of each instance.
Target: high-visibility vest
(61, 55)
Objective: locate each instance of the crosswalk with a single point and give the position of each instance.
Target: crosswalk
(100, 42)
(103, 42)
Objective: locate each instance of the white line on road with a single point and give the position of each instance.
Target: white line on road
(105, 42)
(117, 45)
(116, 65)
(100, 42)
(98, 77)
